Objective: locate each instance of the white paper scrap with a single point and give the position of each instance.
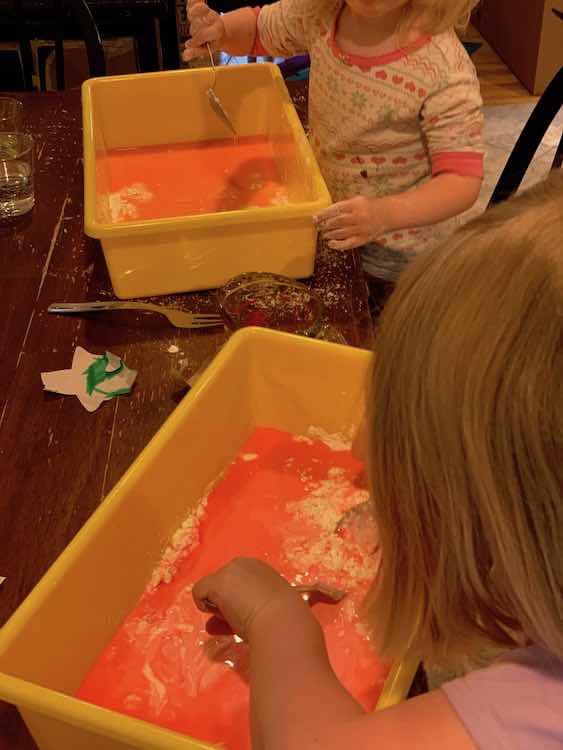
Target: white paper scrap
(92, 378)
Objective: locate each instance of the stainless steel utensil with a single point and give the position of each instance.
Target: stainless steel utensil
(214, 99)
(178, 318)
(352, 514)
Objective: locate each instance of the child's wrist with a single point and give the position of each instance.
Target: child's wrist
(387, 214)
(288, 613)
(294, 627)
(239, 31)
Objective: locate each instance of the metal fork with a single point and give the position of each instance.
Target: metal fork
(178, 318)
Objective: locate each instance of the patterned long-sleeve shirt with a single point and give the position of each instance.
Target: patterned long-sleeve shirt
(381, 125)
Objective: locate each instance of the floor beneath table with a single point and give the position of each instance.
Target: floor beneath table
(507, 107)
(503, 124)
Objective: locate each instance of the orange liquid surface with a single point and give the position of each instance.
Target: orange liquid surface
(191, 178)
(164, 667)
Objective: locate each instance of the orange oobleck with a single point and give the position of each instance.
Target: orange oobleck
(279, 501)
(154, 182)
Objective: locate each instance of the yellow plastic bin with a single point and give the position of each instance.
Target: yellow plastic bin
(162, 256)
(54, 638)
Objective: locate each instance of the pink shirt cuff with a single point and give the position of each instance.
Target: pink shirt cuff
(258, 49)
(464, 163)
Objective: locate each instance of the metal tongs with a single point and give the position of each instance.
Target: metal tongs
(214, 99)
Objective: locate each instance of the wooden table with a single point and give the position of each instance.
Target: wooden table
(57, 461)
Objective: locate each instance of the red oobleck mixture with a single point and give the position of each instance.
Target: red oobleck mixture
(155, 182)
(280, 500)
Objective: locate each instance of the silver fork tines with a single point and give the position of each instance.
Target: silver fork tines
(178, 318)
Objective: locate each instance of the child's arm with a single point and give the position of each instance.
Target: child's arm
(297, 702)
(354, 222)
(280, 28)
(451, 122)
(233, 32)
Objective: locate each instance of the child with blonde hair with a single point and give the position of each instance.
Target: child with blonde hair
(394, 112)
(465, 462)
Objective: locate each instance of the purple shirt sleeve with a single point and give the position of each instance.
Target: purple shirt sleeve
(515, 704)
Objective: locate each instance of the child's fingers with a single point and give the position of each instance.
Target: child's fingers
(199, 10)
(332, 212)
(217, 626)
(192, 53)
(348, 244)
(205, 35)
(200, 15)
(337, 234)
(336, 222)
(204, 594)
(201, 24)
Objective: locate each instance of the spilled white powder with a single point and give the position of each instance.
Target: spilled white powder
(184, 540)
(173, 349)
(335, 441)
(279, 198)
(302, 439)
(124, 203)
(157, 688)
(343, 562)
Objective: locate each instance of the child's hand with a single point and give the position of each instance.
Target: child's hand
(245, 591)
(352, 223)
(206, 27)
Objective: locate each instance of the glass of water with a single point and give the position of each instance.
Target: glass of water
(16, 174)
(11, 115)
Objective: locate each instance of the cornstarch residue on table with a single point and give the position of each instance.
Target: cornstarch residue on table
(154, 182)
(279, 501)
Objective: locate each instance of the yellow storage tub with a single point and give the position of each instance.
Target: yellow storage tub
(54, 638)
(185, 253)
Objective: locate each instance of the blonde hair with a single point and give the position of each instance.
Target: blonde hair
(436, 16)
(466, 440)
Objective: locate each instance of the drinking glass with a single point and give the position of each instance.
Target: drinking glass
(11, 115)
(16, 174)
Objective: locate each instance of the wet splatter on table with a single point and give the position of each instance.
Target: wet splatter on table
(58, 462)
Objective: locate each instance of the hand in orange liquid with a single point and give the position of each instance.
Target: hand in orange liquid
(246, 592)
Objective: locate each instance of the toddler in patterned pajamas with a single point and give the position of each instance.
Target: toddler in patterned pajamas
(394, 112)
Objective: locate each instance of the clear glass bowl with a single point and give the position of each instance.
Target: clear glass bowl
(271, 301)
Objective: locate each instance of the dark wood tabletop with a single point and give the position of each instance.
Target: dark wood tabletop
(57, 461)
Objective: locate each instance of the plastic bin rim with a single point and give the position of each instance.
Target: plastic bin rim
(237, 342)
(101, 230)
(66, 708)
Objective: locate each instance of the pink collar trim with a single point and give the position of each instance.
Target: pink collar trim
(365, 63)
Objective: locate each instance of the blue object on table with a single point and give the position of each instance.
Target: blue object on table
(294, 66)
(301, 75)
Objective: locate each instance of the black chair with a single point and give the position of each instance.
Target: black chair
(57, 20)
(81, 16)
(138, 18)
(529, 140)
